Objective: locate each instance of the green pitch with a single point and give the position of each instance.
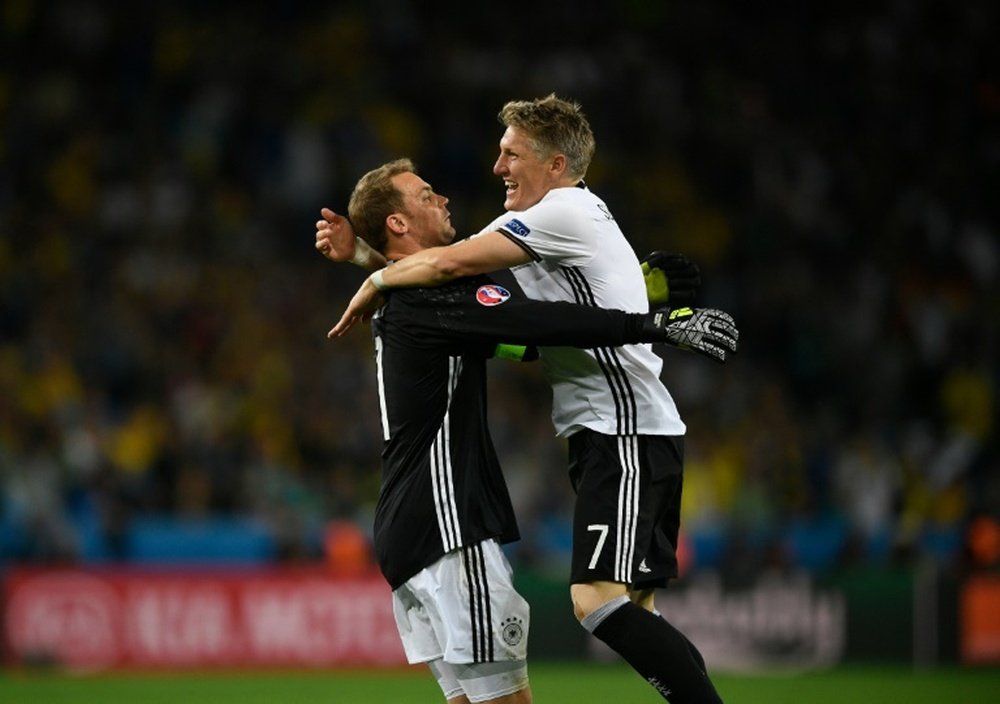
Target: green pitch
(552, 684)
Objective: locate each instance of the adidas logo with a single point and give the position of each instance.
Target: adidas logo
(643, 568)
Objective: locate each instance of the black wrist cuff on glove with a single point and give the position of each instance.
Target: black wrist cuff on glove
(636, 329)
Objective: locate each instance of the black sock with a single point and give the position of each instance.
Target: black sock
(658, 652)
(695, 653)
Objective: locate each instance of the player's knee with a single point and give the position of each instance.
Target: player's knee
(581, 602)
(589, 596)
(646, 598)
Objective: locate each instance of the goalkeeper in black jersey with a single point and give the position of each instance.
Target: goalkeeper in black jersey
(443, 509)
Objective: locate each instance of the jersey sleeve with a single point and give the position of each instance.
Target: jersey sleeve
(552, 231)
(477, 313)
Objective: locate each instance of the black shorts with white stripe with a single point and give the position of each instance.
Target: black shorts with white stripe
(628, 502)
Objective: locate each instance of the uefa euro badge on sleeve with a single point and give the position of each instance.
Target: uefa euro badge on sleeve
(491, 295)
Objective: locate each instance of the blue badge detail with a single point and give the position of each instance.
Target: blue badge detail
(492, 295)
(518, 228)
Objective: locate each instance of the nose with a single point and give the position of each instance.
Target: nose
(498, 166)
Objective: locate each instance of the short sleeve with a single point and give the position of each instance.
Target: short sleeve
(553, 231)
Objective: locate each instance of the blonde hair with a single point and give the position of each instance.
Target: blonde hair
(554, 126)
(374, 199)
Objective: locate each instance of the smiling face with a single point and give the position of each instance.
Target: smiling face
(527, 175)
(424, 216)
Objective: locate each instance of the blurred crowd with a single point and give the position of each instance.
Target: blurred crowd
(163, 312)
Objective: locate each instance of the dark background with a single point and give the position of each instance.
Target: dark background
(163, 311)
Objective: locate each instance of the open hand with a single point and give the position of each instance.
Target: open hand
(706, 331)
(335, 236)
(366, 301)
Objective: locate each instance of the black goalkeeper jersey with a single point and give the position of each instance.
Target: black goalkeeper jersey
(442, 486)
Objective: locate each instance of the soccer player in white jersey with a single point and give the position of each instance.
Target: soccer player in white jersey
(624, 432)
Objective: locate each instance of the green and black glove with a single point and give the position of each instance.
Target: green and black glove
(670, 278)
(707, 331)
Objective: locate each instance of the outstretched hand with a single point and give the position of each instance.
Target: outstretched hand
(366, 301)
(335, 237)
(707, 331)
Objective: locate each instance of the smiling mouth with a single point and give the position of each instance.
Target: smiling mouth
(511, 186)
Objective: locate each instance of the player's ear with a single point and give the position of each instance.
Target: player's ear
(558, 166)
(396, 224)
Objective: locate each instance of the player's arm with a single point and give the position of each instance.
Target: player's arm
(431, 267)
(709, 332)
(335, 239)
(522, 321)
(706, 331)
(437, 265)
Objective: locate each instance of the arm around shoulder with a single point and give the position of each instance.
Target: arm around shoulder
(437, 265)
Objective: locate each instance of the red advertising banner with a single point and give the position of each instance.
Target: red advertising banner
(980, 614)
(90, 619)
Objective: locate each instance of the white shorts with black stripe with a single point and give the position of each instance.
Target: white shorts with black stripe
(464, 609)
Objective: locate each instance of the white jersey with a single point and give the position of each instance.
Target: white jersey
(580, 255)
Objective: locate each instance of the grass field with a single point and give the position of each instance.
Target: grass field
(551, 684)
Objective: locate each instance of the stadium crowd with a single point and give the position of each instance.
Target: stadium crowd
(163, 312)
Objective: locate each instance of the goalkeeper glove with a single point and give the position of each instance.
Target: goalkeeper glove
(707, 331)
(670, 278)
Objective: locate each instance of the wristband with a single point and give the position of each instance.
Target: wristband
(514, 352)
(362, 253)
(377, 282)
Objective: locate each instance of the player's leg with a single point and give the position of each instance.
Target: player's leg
(419, 629)
(495, 682)
(621, 482)
(589, 596)
(463, 617)
(445, 676)
(481, 623)
(498, 671)
(481, 680)
(661, 554)
(646, 599)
